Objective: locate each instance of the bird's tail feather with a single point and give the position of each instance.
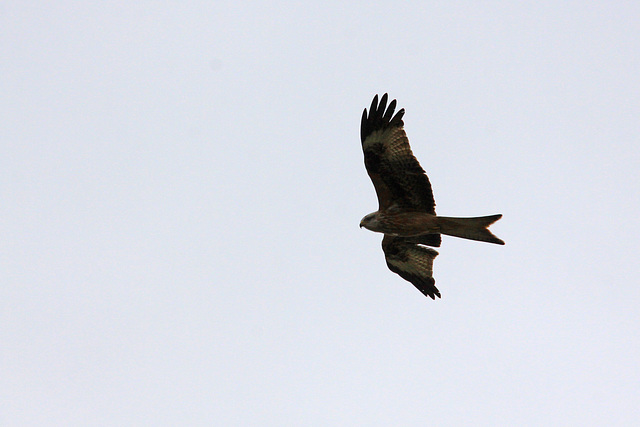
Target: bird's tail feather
(470, 228)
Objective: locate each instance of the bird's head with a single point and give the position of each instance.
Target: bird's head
(370, 222)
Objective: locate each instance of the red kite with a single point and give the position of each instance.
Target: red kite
(406, 209)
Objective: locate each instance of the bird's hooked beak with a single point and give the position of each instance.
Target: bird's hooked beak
(361, 224)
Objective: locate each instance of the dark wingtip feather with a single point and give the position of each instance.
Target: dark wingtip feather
(431, 291)
(426, 285)
(380, 116)
(363, 124)
(390, 110)
(374, 106)
(382, 106)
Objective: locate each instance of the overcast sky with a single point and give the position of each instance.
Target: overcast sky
(181, 187)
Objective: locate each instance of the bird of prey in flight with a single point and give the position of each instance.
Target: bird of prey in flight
(406, 209)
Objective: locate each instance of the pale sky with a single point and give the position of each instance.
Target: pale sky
(182, 184)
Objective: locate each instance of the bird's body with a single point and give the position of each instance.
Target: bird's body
(401, 224)
(406, 207)
(413, 224)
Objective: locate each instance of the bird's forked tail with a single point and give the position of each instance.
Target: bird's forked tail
(470, 228)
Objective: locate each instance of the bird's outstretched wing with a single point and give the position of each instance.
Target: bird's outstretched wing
(397, 176)
(412, 262)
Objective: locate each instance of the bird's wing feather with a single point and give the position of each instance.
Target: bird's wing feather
(412, 262)
(395, 172)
